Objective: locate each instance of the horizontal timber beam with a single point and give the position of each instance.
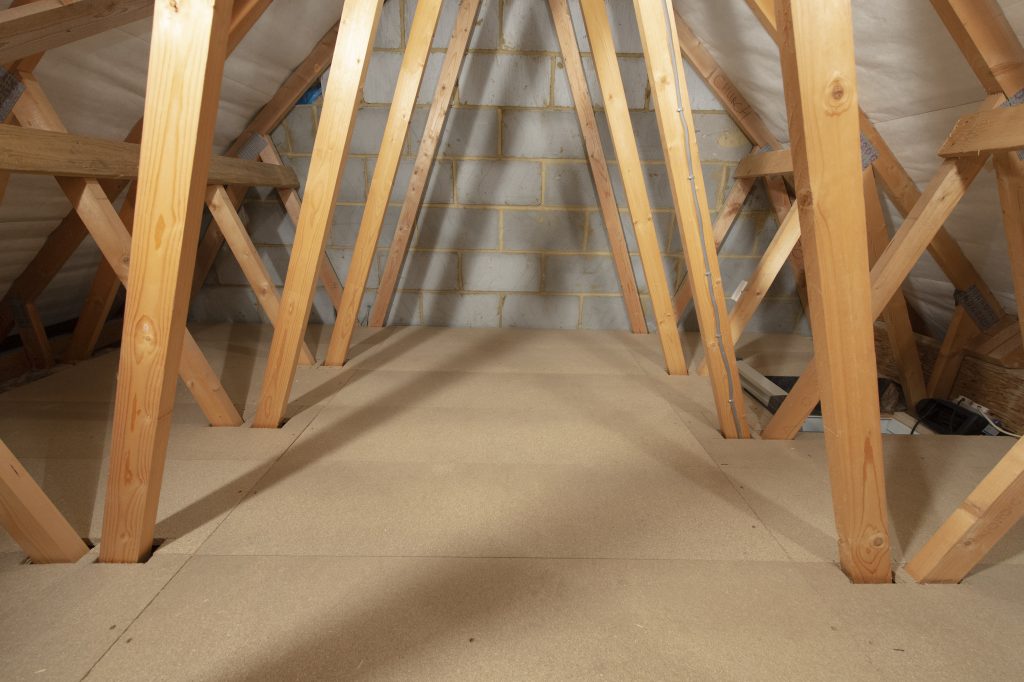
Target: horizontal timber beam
(43, 25)
(761, 164)
(998, 130)
(43, 152)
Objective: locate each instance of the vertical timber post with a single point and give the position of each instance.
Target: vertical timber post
(186, 64)
(819, 75)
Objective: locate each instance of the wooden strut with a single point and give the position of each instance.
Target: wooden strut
(606, 64)
(951, 354)
(784, 243)
(819, 75)
(268, 118)
(901, 188)
(187, 54)
(31, 519)
(890, 270)
(70, 233)
(996, 505)
(238, 240)
(112, 237)
(897, 313)
(356, 32)
(105, 286)
(410, 79)
(598, 163)
(281, 368)
(981, 521)
(441, 104)
(100, 299)
(922, 229)
(1010, 176)
(666, 74)
(754, 127)
(293, 207)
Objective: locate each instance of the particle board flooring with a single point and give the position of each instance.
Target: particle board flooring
(487, 504)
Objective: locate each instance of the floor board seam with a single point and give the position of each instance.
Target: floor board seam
(137, 616)
(272, 462)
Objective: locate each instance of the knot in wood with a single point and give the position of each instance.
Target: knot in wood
(839, 96)
(805, 198)
(144, 336)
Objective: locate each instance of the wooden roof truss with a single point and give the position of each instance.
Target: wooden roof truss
(834, 236)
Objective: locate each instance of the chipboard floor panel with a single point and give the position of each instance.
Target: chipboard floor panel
(486, 504)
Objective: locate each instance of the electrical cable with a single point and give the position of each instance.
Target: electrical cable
(987, 418)
(674, 54)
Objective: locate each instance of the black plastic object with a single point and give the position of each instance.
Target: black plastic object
(949, 418)
(786, 383)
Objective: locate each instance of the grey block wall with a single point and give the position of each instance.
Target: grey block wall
(510, 234)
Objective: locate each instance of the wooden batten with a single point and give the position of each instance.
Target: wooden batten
(693, 217)
(606, 64)
(42, 152)
(355, 39)
(598, 164)
(761, 164)
(410, 78)
(439, 107)
(998, 130)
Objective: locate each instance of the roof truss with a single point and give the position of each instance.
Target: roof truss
(815, 38)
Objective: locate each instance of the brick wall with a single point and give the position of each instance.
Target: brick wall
(510, 234)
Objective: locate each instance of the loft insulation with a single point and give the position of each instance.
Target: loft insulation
(913, 83)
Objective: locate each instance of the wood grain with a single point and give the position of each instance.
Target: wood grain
(439, 106)
(819, 75)
(186, 62)
(355, 39)
(44, 25)
(31, 519)
(42, 152)
(609, 77)
(410, 78)
(671, 101)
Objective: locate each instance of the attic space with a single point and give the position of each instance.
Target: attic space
(511, 339)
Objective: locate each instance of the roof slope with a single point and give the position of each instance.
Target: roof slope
(913, 83)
